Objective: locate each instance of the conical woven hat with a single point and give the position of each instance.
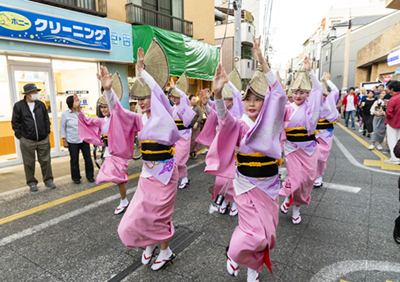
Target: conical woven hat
(258, 84)
(279, 78)
(289, 94)
(116, 86)
(325, 89)
(182, 84)
(302, 81)
(234, 78)
(156, 64)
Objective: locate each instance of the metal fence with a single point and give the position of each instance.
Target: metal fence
(139, 15)
(92, 7)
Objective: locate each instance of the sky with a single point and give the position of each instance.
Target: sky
(295, 21)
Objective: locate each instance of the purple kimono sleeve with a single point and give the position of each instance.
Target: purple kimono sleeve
(184, 110)
(124, 125)
(330, 111)
(89, 129)
(220, 160)
(314, 104)
(237, 109)
(265, 136)
(209, 131)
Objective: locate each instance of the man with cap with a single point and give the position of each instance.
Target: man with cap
(31, 125)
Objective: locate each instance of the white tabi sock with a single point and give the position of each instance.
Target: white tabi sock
(149, 250)
(296, 211)
(184, 180)
(164, 254)
(251, 275)
(124, 202)
(287, 200)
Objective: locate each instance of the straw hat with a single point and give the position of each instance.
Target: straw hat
(258, 84)
(116, 86)
(279, 77)
(182, 84)
(234, 78)
(325, 87)
(302, 81)
(289, 94)
(156, 64)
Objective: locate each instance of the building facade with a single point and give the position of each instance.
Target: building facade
(60, 50)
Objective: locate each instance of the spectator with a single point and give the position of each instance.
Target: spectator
(366, 113)
(396, 232)
(361, 98)
(374, 89)
(378, 124)
(381, 88)
(393, 121)
(71, 140)
(350, 106)
(196, 122)
(31, 125)
(389, 93)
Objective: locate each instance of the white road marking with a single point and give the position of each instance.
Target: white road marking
(337, 270)
(352, 160)
(350, 189)
(69, 215)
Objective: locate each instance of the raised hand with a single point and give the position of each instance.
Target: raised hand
(105, 78)
(307, 63)
(140, 60)
(220, 79)
(172, 83)
(327, 76)
(77, 103)
(204, 96)
(258, 54)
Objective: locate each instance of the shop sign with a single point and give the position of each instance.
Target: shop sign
(393, 58)
(78, 92)
(16, 24)
(114, 38)
(387, 78)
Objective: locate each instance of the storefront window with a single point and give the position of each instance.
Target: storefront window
(76, 77)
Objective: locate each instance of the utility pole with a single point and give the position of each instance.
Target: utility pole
(237, 47)
(346, 58)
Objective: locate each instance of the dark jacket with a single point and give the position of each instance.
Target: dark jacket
(396, 151)
(23, 123)
(198, 117)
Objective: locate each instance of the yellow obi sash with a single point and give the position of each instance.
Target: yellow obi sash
(152, 151)
(325, 124)
(257, 165)
(298, 134)
(179, 124)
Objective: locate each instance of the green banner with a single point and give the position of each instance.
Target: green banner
(198, 59)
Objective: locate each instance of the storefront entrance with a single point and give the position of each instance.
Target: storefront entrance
(57, 80)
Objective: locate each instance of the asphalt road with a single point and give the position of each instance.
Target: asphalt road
(346, 232)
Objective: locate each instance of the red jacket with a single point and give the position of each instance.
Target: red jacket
(344, 101)
(393, 111)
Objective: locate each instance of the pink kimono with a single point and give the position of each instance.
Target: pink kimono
(324, 136)
(257, 199)
(116, 160)
(147, 220)
(185, 113)
(222, 185)
(301, 158)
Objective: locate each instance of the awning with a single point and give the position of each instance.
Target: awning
(198, 59)
(394, 58)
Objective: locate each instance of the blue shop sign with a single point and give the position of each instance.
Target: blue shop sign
(16, 24)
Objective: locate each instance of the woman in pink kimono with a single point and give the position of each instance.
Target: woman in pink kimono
(256, 179)
(97, 131)
(183, 116)
(327, 119)
(300, 147)
(147, 221)
(234, 104)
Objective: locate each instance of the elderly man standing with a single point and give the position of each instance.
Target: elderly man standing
(31, 125)
(71, 140)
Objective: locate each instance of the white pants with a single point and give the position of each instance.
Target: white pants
(393, 135)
